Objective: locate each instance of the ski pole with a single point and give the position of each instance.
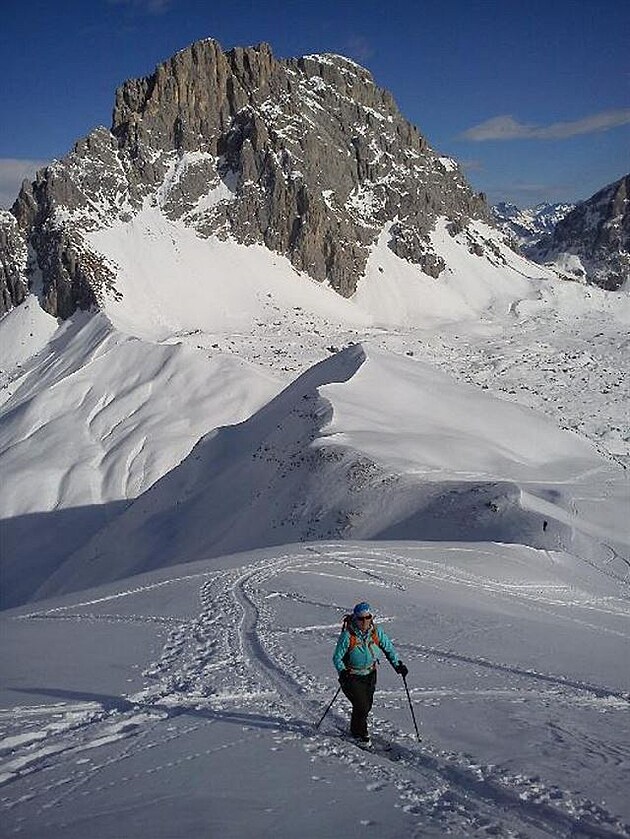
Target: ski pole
(413, 716)
(328, 708)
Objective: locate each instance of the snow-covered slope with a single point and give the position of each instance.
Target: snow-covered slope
(183, 703)
(364, 445)
(125, 394)
(98, 409)
(171, 281)
(161, 697)
(449, 440)
(102, 416)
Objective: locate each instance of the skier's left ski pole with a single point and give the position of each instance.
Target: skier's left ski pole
(329, 707)
(413, 716)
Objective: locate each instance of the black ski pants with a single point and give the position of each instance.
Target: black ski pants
(360, 692)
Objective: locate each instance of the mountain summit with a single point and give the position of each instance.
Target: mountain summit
(305, 156)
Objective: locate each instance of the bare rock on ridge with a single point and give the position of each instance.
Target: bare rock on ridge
(13, 263)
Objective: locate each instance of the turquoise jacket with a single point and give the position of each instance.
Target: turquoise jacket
(365, 653)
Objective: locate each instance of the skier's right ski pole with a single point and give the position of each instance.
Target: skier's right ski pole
(413, 716)
(329, 707)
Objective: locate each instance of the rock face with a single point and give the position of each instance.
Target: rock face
(306, 156)
(592, 243)
(13, 263)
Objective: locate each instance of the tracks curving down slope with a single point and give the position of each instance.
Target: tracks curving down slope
(248, 655)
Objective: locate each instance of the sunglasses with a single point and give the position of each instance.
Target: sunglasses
(365, 618)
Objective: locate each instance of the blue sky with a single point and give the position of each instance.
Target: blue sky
(532, 97)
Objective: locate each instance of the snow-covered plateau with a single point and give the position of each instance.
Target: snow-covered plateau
(199, 481)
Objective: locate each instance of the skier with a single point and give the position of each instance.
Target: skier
(356, 655)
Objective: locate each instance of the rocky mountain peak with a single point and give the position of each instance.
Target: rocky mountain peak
(306, 156)
(190, 100)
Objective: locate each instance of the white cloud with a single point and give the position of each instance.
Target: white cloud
(471, 165)
(12, 172)
(359, 47)
(151, 7)
(507, 128)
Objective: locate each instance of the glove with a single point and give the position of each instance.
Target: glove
(343, 678)
(401, 669)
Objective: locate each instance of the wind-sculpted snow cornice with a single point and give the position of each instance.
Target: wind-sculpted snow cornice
(337, 369)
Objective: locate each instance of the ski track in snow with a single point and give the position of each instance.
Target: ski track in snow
(231, 662)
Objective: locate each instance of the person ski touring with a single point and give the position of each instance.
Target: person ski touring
(356, 655)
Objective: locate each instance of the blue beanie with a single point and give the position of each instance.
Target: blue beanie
(361, 609)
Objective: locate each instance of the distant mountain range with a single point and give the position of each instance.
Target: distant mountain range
(589, 241)
(526, 226)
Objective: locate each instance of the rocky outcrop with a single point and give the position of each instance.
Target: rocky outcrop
(13, 263)
(592, 243)
(68, 199)
(307, 156)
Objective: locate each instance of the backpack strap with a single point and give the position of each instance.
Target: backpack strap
(373, 639)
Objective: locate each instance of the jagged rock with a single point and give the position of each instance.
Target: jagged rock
(13, 263)
(592, 243)
(306, 156)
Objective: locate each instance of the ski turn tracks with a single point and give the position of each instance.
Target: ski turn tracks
(232, 655)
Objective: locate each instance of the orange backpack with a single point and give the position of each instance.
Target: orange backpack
(353, 638)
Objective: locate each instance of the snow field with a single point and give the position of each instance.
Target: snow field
(527, 346)
(367, 445)
(170, 428)
(514, 672)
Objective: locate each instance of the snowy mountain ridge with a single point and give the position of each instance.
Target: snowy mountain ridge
(307, 157)
(309, 466)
